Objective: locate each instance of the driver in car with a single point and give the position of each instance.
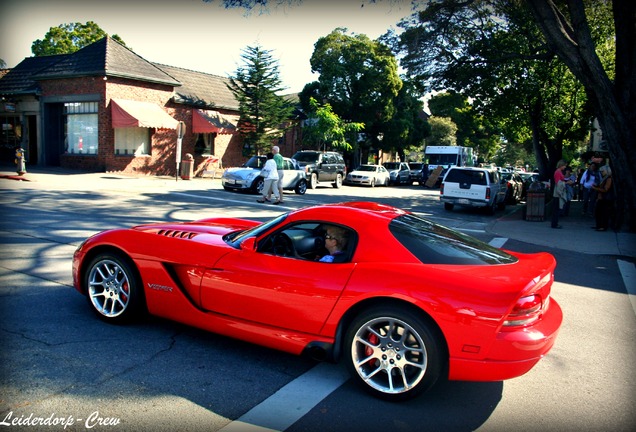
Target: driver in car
(336, 239)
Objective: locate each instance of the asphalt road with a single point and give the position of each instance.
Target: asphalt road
(62, 369)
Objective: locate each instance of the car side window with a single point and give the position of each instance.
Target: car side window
(306, 241)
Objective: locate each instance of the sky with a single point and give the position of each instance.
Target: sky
(201, 36)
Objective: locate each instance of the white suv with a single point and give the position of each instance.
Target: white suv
(472, 187)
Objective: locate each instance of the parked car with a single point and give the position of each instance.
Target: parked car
(369, 175)
(322, 167)
(408, 300)
(514, 187)
(528, 179)
(248, 178)
(399, 171)
(416, 171)
(472, 187)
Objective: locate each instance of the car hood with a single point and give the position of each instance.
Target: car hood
(242, 172)
(190, 230)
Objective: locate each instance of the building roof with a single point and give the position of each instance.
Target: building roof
(201, 89)
(106, 57)
(19, 80)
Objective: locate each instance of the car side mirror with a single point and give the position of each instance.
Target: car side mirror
(249, 244)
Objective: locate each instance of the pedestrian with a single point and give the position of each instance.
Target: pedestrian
(604, 199)
(570, 182)
(270, 175)
(280, 168)
(558, 194)
(590, 178)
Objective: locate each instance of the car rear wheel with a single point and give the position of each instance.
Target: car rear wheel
(338, 183)
(113, 288)
(313, 181)
(301, 187)
(392, 353)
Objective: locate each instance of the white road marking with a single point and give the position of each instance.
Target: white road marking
(628, 272)
(498, 242)
(292, 402)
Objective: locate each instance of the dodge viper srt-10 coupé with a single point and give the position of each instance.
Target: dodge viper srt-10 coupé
(402, 302)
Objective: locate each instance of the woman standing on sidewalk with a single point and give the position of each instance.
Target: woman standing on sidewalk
(605, 199)
(559, 193)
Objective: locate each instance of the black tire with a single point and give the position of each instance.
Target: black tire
(113, 288)
(393, 353)
(301, 187)
(259, 183)
(338, 183)
(313, 181)
(448, 206)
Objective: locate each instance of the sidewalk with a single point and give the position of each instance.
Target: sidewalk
(576, 234)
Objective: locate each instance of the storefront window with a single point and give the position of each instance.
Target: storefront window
(205, 144)
(81, 127)
(132, 141)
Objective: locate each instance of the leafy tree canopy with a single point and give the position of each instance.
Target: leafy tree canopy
(68, 38)
(264, 115)
(326, 129)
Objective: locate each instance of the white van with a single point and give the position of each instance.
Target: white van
(472, 187)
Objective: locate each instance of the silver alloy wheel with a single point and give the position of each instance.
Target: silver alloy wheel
(389, 355)
(338, 183)
(109, 288)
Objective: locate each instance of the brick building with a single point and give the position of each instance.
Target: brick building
(104, 108)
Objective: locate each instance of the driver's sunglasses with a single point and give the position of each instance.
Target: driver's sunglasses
(330, 237)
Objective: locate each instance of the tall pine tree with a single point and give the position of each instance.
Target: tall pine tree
(263, 113)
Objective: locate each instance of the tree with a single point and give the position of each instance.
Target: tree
(567, 32)
(405, 132)
(68, 38)
(325, 128)
(359, 79)
(487, 51)
(263, 113)
(443, 132)
(472, 129)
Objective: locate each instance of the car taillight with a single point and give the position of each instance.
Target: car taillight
(488, 193)
(525, 311)
(441, 189)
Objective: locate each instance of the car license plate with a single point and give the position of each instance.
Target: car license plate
(463, 201)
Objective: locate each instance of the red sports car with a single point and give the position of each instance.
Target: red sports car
(402, 301)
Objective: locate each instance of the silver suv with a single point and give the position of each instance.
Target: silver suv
(472, 187)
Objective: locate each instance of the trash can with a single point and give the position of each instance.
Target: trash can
(535, 205)
(187, 167)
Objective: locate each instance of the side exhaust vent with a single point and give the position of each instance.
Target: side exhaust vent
(177, 233)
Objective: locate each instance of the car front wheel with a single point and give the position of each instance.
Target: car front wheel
(392, 353)
(259, 184)
(113, 288)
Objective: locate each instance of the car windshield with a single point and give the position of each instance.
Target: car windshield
(235, 238)
(442, 159)
(392, 165)
(365, 168)
(416, 166)
(306, 157)
(435, 244)
(255, 162)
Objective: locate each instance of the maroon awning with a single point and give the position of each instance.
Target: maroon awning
(209, 121)
(127, 113)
